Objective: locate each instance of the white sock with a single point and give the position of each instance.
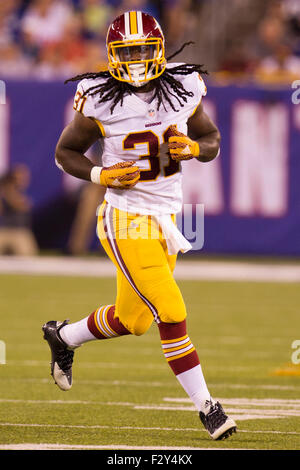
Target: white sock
(75, 334)
(195, 386)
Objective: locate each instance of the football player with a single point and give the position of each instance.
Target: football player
(149, 117)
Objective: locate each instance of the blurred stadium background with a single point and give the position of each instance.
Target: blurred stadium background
(252, 52)
(251, 197)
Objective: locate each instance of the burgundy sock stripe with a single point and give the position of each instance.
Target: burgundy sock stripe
(115, 323)
(169, 331)
(185, 363)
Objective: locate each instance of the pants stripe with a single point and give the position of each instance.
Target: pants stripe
(109, 229)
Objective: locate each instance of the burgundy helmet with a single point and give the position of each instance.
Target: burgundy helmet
(135, 48)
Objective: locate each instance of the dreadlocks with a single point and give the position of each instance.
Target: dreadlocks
(165, 86)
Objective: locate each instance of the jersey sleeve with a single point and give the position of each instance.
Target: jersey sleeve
(200, 90)
(83, 103)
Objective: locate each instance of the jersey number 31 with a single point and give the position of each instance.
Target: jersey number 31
(152, 140)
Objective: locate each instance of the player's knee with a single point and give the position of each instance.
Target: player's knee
(141, 325)
(173, 316)
(173, 311)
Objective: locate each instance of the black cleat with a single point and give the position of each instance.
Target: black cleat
(218, 425)
(61, 355)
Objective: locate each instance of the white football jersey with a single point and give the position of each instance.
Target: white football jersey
(137, 131)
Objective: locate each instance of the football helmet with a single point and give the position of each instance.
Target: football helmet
(136, 48)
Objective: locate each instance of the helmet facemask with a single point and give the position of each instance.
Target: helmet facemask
(136, 61)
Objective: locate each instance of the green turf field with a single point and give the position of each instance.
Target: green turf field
(124, 393)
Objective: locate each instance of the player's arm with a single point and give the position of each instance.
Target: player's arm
(202, 142)
(75, 140)
(203, 130)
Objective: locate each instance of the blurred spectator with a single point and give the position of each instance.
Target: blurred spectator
(96, 17)
(9, 21)
(83, 227)
(13, 63)
(177, 20)
(270, 34)
(89, 198)
(16, 236)
(51, 64)
(236, 62)
(55, 39)
(292, 12)
(94, 58)
(282, 65)
(72, 43)
(271, 46)
(44, 21)
(141, 5)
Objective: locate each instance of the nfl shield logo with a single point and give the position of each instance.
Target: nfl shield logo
(151, 112)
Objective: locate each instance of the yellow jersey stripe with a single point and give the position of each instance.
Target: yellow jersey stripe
(133, 22)
(82, 104)
(100, 125)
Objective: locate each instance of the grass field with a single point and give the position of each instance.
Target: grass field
(124, 393)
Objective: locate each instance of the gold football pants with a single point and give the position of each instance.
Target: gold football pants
(146, 289)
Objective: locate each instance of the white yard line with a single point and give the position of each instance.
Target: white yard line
(33, 446)
(295, 403)
(115, 365)
(238, 414)
(66, 402)
(190, 270)
(136, 383)
(99, 426)
(135, 428)
(86, 365)
(235, 409)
